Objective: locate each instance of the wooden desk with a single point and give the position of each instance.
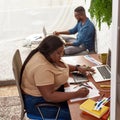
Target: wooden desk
(76, 113)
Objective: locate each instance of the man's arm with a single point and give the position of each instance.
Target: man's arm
(61, 32)
(67, 32)
(80, 38)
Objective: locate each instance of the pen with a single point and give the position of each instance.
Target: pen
(101, 97)
(100, 104)
(103, 102)
(107, 100)
(82, 84)
(75, 83)
(88, 86)
(97, 104)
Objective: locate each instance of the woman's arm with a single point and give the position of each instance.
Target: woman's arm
(61, 32)
(82, 69)
(50, 95)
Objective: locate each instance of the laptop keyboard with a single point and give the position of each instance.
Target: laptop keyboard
(104, 72)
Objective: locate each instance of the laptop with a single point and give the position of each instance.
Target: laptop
(44, 31)
(103, 72)
(46, 34)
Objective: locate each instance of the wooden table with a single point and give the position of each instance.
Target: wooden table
(76, 113)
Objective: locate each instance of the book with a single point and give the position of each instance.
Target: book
(106, 115)
(88, 107)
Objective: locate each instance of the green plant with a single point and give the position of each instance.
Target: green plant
(101, 11)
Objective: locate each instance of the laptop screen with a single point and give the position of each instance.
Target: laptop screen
(109, 58)
(44, 31)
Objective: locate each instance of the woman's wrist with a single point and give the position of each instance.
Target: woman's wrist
(76, 67)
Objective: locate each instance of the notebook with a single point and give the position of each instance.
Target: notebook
(88, 107)
(103, 72)
(93, 91)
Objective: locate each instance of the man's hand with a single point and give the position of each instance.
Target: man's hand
(56, 33)
(68, 44)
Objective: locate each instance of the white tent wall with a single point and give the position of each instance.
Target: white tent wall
(21, 18)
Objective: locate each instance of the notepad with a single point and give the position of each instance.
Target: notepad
(94, 92)
(88, 107)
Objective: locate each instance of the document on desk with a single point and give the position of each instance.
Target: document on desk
(91, 59)
(93, 91)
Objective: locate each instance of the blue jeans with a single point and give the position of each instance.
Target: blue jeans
(48, 112)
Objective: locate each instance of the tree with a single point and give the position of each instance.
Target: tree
(101, 11)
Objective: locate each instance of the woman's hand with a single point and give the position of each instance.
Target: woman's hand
(82, 92)
(85, 70)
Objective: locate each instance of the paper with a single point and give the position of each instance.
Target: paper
(91, 59)
(92, 92)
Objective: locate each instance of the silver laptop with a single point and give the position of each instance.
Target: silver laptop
(44, 31)
(103, 72)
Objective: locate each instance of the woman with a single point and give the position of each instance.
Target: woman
(44, 73)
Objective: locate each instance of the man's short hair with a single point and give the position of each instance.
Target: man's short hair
(80, 10)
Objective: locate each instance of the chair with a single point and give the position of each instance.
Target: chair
(17, 65)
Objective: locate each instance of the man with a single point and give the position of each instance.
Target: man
(85, 34)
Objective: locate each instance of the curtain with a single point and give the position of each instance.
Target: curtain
(20, 18)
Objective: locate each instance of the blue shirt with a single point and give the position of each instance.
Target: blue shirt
(86, 34)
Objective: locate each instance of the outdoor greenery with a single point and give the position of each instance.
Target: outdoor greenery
(101, 11)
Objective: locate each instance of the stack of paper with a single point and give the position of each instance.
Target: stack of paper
(93, 91)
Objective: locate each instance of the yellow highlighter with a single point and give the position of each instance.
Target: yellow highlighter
(105, 86)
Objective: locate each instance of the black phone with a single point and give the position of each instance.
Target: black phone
(77, 74)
